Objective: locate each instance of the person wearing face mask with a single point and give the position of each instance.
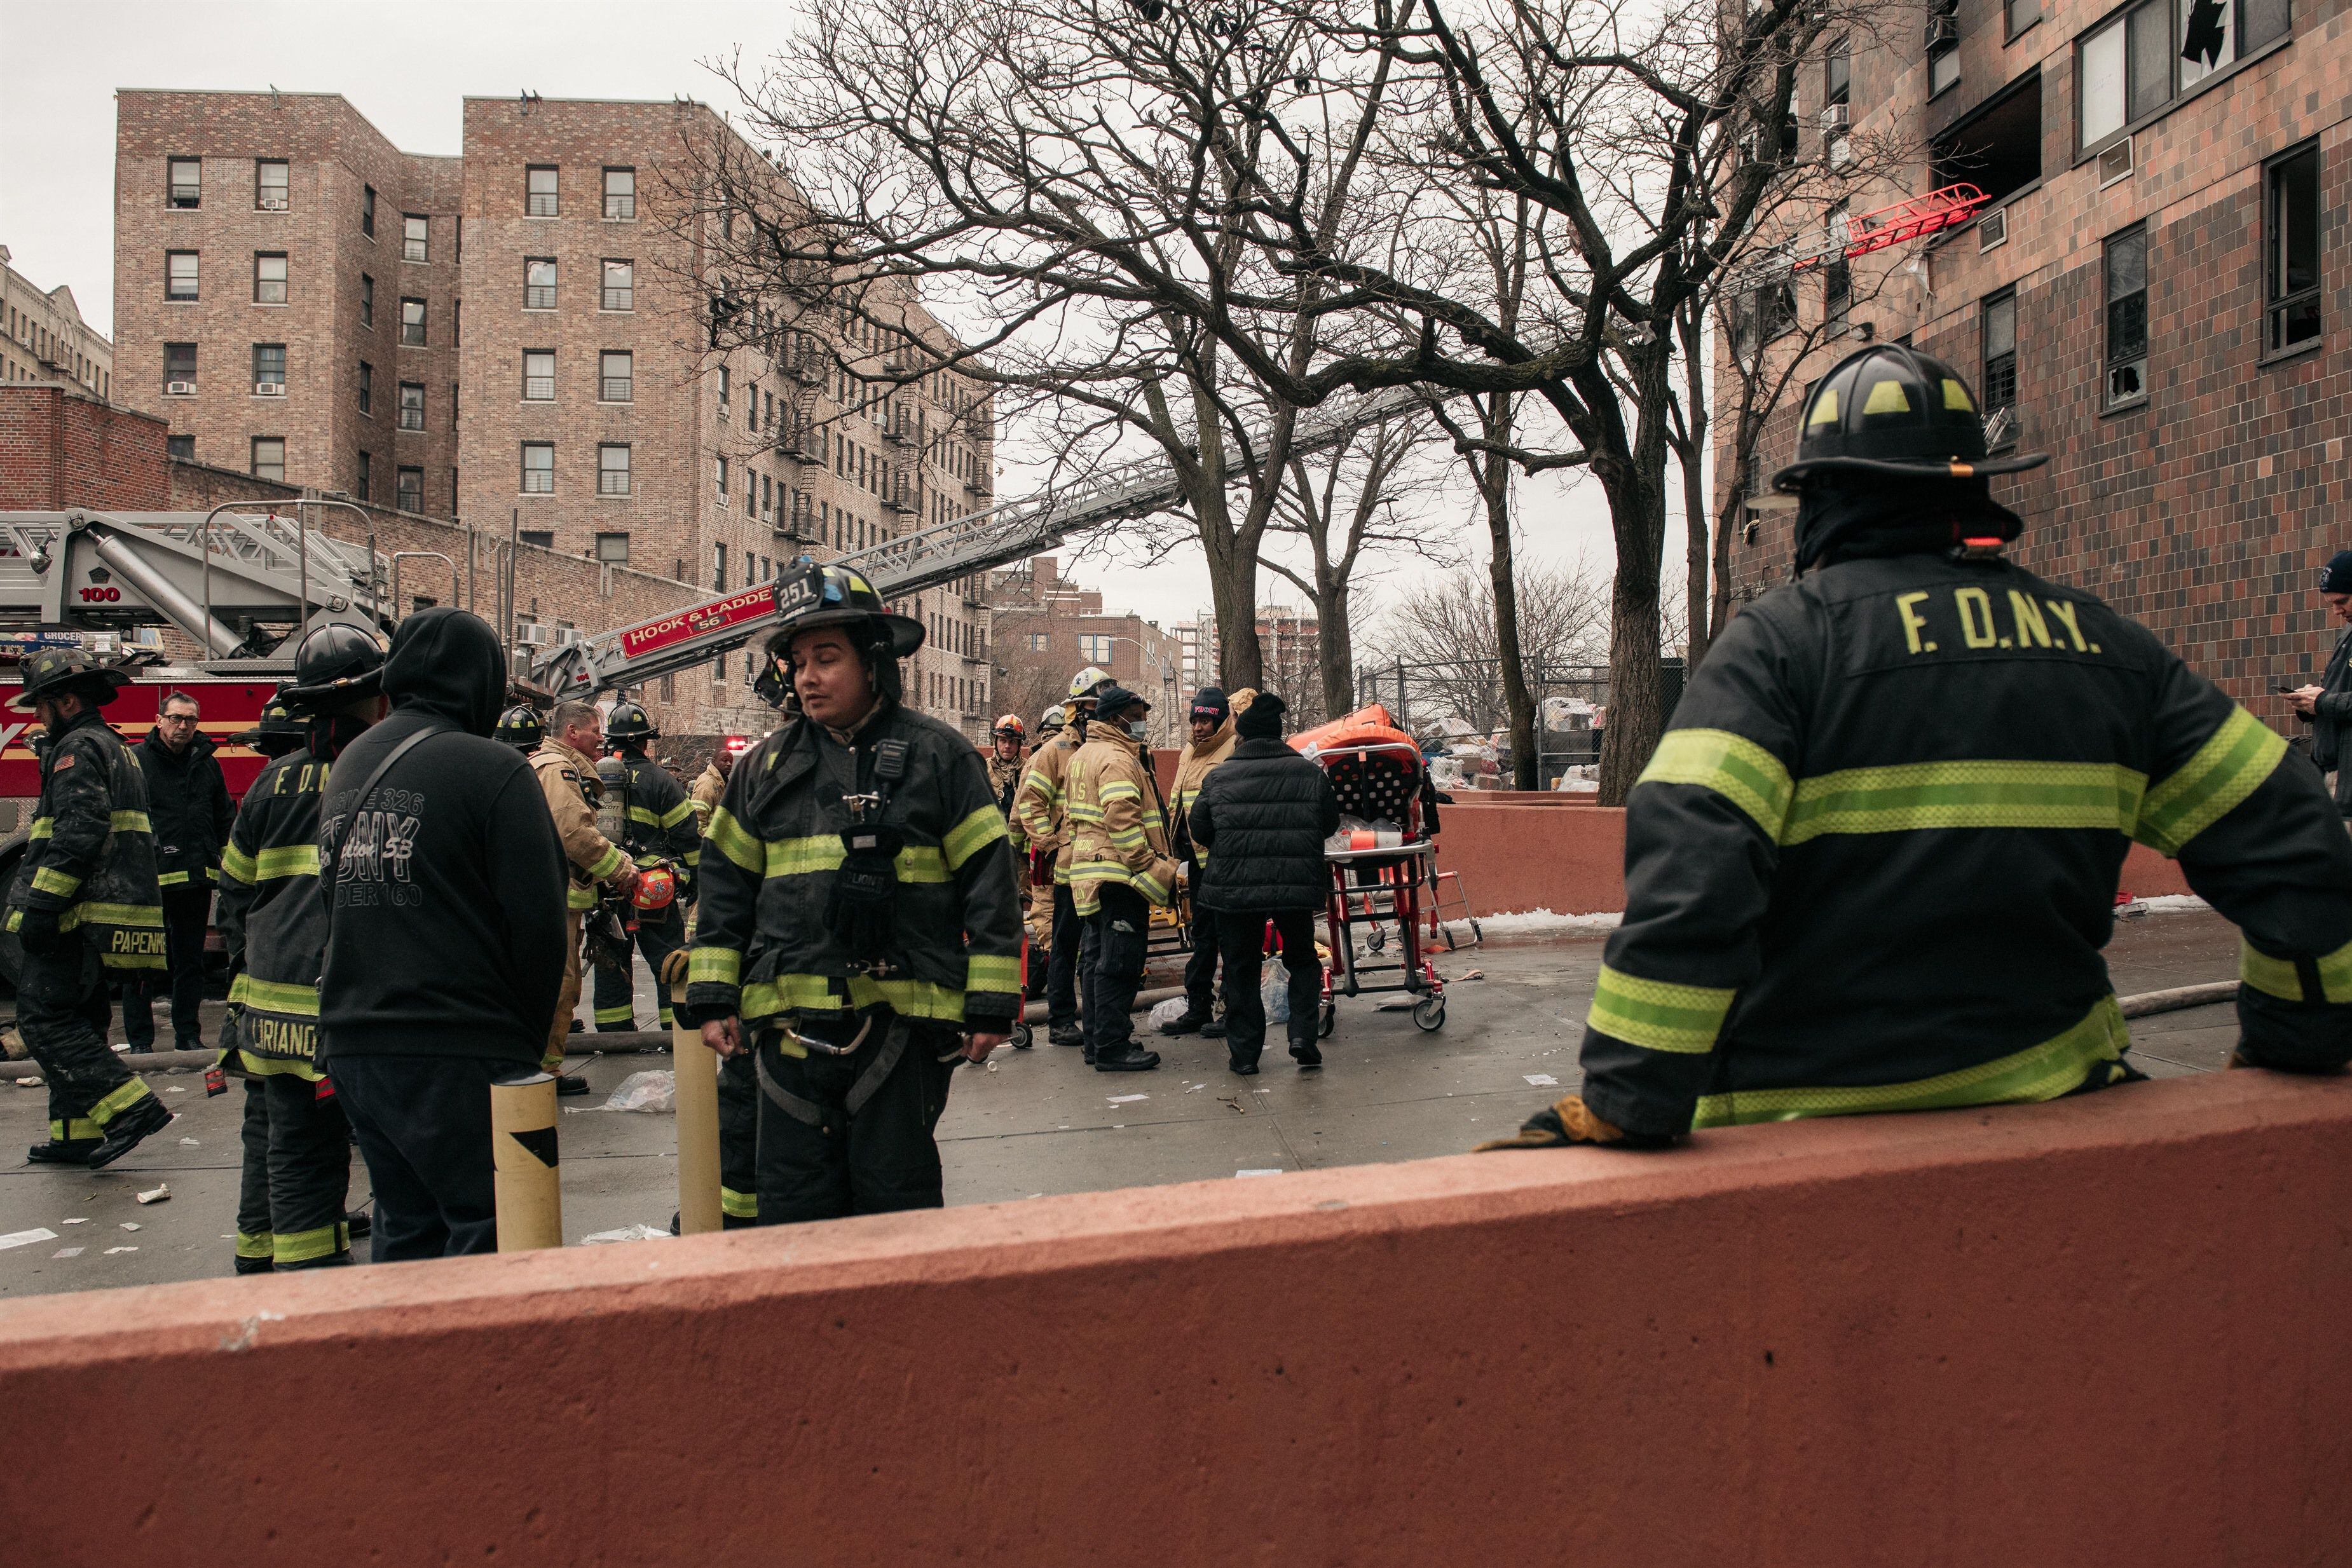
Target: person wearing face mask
(1119, 865)
(273, 923)
(860, 924)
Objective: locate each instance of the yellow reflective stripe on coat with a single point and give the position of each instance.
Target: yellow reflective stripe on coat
(988, 972)
(170, 878)
(971, 835)
(149, 915)
(42, 828)
(252, 1243)
(1733, 766)
(577, 897)
(606, 863)
(49, 880)
(2057, 1066)
(286, 860)
(714, 966)
(276, 996)
(1658, 1015)
(816, 994)
(738, 1204)
(130, 822)
(238, 866)
(2226, 769)
(823, 852)
(728, 836)
(2281, 978)
(1976, 793)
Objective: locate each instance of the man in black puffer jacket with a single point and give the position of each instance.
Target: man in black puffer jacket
(1258, 826)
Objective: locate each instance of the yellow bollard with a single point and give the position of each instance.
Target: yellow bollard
(522, 1143)
(695, 1066)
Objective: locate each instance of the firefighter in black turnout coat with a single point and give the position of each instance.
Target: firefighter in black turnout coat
(86, 907)
(273, 922)
(860, 924)
(1873, 861)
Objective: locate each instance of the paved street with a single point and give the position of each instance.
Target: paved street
(1040, 1123)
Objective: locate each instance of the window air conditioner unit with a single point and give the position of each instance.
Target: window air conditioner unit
(1992, 228)
(532, 636)
(269, 389)
(567, 635)
(1834, 117)
(179, 389)
(273, 203)
(1943, 33)
(2115, 162)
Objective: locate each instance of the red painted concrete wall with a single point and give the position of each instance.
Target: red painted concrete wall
(2107, 1330)
(1516, 858)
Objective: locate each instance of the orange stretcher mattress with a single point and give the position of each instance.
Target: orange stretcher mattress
(1365, 726)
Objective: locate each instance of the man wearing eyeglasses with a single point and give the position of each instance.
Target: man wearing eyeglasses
(2328, 707)
(187, 799)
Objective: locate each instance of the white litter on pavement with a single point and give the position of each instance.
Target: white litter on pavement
(67, 1252)
(130, 1225)
(1277, 1171)
(190, 1144)
(83, 1220)
(626, 1233)
(1542, 1080)
(112, 1250)
(26, 1238)
(28, 1083)
(1126, 1099)
(160, 1193)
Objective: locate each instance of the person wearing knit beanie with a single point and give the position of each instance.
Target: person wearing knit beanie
(1262, 720)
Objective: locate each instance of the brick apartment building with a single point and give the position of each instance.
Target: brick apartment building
(44, 338)
(2148, 295)
(1047, 628)
(522, 337)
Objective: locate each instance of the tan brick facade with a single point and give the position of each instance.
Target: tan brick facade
(625, 467)
(2206, 508)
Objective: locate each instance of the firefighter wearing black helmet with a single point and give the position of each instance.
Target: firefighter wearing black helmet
(272, 917)
(520, 728)
(86, 908)
(860, 925)
(657, 828)
(1873, 862)
(278, 730)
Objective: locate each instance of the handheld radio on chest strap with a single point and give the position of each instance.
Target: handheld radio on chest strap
(862, 908)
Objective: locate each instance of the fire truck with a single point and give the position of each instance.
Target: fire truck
(237, 582)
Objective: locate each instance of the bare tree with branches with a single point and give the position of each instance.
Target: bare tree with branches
(1368, 494)
(1075, 189)
(1441, 631)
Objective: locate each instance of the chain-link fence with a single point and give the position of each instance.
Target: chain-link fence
(1463, 699)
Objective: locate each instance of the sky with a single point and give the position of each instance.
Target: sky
(406, 66)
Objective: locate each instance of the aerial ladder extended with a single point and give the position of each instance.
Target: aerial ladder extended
(226, 578)
(912, 562)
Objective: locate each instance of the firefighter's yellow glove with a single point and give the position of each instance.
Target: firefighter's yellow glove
(673, 968)
(1568, 1121)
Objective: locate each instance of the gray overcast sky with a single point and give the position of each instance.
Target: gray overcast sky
(407, 66)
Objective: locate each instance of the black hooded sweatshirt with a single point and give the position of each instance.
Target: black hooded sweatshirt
(447, 923)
